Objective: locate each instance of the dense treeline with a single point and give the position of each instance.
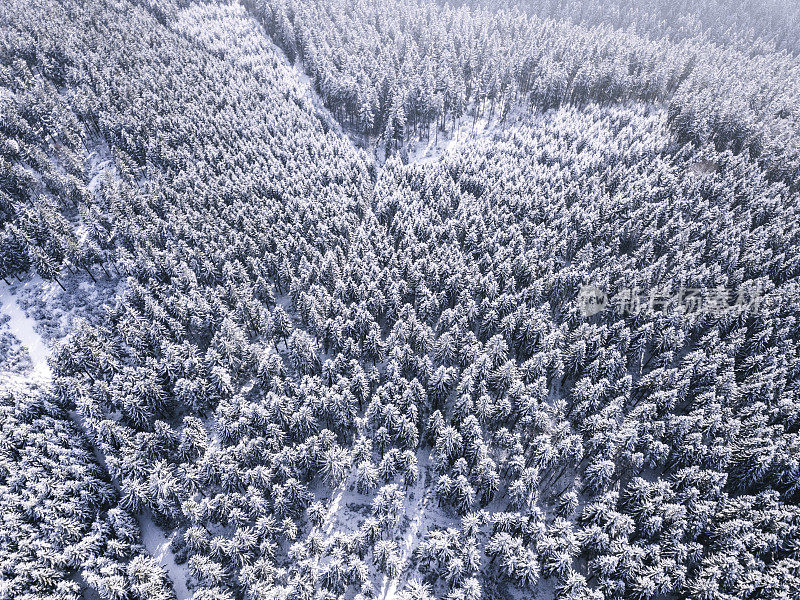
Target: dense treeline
(61, 530)
(612, 417)
(395, 70)
(52, 155)
(750, 25)
(295, 327)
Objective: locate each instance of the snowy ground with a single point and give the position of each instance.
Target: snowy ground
(347, 509)
(430, 150)
(40, 295)
(158, 546)
(23, 328)
(417, 510)
(428, 147)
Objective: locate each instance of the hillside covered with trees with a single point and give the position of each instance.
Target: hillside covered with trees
(556, 360)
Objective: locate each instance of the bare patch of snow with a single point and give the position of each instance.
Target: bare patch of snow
(467, 129)
(103, 170)
(24, 329)
(421, 518)
(158, 545)
(333, 510)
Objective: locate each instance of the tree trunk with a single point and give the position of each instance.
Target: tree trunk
(561, 493)
(557, 477)
(86, 268)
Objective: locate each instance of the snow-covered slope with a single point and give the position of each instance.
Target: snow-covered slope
(24, 329)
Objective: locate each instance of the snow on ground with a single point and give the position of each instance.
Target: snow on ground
(347, 509)
(333, 510)
(340, 515)
(24, 329)
(158, 545)
(56, 312)
(101, 167)
(422, 516)
(467, 130)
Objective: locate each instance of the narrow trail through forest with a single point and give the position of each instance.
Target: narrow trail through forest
(416, 510)
(40, 375)
(24, 329)
(158, 546)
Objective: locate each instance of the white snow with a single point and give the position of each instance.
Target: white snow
(103, 171)
(427, 151)
(344, 514)
(158, 546)
(333, 513)
(417, 510)
(333, 510)
(24, 329)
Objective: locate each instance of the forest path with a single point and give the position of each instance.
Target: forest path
(40, 374)
(158, 546)
(24, 329)
(417, 512)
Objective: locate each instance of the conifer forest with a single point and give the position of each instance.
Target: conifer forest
(399, 300)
